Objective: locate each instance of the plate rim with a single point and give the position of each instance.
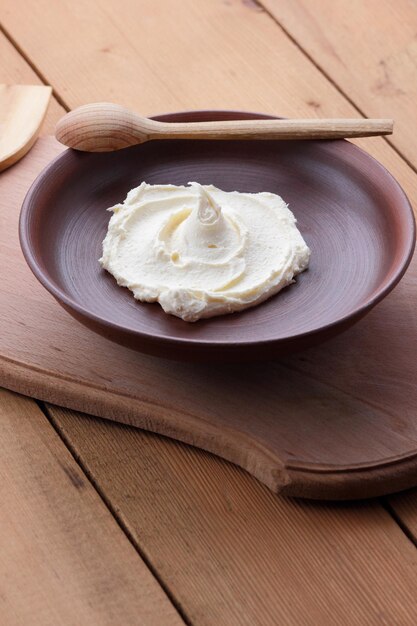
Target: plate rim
(172, 340)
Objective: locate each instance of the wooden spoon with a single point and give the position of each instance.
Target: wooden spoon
(103, 127)
(22, 110)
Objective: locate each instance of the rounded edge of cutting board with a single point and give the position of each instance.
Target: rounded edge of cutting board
(46, 369)
(311, 481)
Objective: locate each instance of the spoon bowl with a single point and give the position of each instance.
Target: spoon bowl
(104, 128)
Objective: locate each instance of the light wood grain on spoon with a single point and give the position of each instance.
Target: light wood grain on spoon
(104, 127)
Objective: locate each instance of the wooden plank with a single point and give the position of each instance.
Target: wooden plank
(369, 49)
(14, 69)
(159, 67)
(63, 558)
(137, 55)
(231, 551)
(404, 507)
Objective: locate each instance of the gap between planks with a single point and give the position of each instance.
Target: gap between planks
(227, 545)
(383, 501)
(33, 67)
(118, 517)
(330, 79)
(390, 509)
(258, 3)
(289, 36)
(58, 545)
(295, 42)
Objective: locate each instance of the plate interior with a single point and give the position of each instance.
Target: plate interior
(345, 204)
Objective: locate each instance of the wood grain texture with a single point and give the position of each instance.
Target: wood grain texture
(156, 63)
(22, 111)
(15, 70)
(232, 552)
(404, 507)
(292, 87)
(105, 127)
(369, 49)
(299, 424)
(210, 54)
(63, 558)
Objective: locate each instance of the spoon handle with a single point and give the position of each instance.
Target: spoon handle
(275, 129)
(103, 127)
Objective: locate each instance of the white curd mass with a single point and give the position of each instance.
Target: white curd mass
(200, 251)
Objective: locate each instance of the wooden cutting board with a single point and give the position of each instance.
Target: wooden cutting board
(337, 421)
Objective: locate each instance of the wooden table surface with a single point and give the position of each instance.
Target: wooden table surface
(106, 524)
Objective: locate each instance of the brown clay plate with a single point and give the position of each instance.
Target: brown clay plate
(352, 213)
